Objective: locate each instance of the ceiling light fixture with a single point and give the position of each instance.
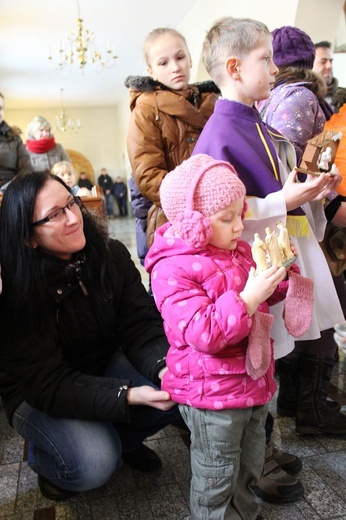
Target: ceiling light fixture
(80, 47)
(64, 123)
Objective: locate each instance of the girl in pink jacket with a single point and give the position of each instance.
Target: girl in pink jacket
(216, 317)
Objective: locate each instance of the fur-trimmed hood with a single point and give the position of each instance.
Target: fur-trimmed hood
(148, 84)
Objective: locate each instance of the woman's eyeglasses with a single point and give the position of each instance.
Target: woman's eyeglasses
(58, 214)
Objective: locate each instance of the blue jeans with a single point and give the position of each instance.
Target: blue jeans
(80, 455)
(227, 456)
(109, 204)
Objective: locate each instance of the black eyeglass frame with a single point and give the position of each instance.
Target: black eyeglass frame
(75, 199)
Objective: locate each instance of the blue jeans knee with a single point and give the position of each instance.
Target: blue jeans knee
(75, 455)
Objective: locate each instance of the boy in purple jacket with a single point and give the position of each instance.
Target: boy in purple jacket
(238, 55)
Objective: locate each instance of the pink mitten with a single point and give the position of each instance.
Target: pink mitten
(298, 304)
(258, 352)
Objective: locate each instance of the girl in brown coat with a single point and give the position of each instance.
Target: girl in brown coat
(167, 116)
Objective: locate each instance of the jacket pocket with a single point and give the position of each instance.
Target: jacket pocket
(227, 364)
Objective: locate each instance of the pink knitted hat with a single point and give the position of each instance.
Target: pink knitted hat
(195, 190)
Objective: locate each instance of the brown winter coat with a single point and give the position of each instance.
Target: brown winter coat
(163, 130)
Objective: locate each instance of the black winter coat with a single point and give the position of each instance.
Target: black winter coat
(14, 157)
(62, 374)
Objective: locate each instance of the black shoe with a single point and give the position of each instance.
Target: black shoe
(143, 459)
(53, 492)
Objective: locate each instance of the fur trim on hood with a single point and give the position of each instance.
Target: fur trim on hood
(148, 84)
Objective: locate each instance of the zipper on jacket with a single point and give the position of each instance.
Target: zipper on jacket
(82, 286)
(121, 388)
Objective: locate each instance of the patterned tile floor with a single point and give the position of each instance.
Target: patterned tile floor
(130, 495)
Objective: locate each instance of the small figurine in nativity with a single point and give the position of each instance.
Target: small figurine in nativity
(259, 253)
(275, 250)
(319, 154)
(285, 245)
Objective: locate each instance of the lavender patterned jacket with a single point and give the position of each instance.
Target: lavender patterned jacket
(295, 112)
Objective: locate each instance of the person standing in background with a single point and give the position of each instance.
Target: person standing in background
(323, 65)
(43, 150)
(295, 109)
(106, 183)
(14, 157)
(167, 116)
(120, 194)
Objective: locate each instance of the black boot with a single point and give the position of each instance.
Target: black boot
(287, 401)
(288, 371)
(314, 415)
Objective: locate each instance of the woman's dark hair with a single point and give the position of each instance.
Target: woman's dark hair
(24, 296)
(314, 82)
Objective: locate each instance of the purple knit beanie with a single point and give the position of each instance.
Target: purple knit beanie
(195, 190)
(293, 48)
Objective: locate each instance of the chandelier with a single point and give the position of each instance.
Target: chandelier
(64, 123)
(79, 47)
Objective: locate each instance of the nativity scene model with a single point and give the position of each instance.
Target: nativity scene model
(319, 154)
(275, 249)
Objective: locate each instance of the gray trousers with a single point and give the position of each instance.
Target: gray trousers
(227, 456)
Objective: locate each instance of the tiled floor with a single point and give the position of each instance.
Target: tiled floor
(130, 495)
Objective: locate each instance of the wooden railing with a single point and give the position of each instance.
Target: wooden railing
(96, 201)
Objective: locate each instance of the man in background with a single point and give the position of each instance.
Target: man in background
(106, 183)
(323, 65)
(120, 194)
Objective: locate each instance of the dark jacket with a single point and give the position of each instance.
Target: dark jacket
(140, 206)
(85, 183)
(120, 190)
(14, 157)
(163, 130)
(60, 373)
(106, 182)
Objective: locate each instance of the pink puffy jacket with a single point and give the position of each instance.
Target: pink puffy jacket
(206, 323)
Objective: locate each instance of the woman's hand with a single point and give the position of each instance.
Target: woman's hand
(260, 286)
(148, 396)
(314, 188)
